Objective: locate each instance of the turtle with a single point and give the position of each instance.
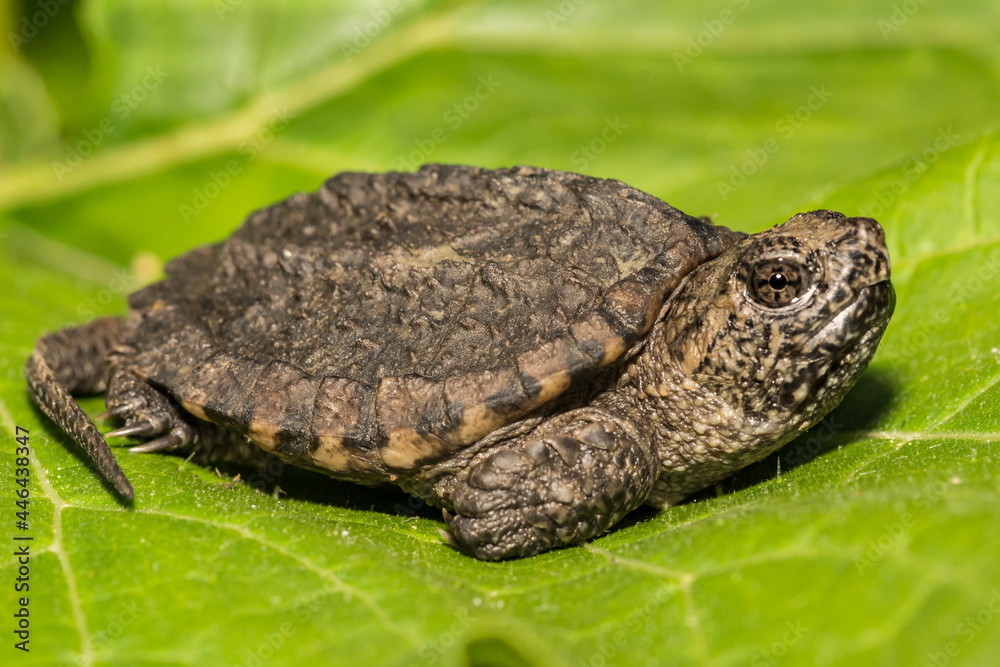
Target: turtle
(536, 352)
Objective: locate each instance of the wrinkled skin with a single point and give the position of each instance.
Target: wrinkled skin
(752, 348)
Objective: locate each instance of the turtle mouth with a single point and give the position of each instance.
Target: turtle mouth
(873, 309)
(851, 332)
(880, 297)
(844, 347)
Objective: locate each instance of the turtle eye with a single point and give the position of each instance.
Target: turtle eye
(778, 282)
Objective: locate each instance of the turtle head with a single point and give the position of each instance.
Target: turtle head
(782, 324)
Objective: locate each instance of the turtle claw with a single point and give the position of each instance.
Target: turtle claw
(450, 537)
(140, 428)
(454, 543)
(168, 441)
(115, 411)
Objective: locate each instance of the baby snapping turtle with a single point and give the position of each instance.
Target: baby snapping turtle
(537, 352)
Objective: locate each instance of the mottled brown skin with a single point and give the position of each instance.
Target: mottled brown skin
(536, 352)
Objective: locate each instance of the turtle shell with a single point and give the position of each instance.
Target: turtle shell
(390, 319)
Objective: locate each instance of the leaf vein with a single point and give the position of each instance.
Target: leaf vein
(324, 573)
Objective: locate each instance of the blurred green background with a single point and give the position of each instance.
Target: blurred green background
(133, 131)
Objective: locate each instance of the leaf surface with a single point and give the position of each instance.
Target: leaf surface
(870, 540)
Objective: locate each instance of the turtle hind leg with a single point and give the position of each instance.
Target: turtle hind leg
(72, 360)
(147, 412)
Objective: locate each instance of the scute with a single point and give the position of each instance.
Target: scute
(450, 301)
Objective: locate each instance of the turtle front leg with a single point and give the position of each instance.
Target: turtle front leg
(569, 480)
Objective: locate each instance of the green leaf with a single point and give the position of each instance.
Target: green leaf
(870, 540)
